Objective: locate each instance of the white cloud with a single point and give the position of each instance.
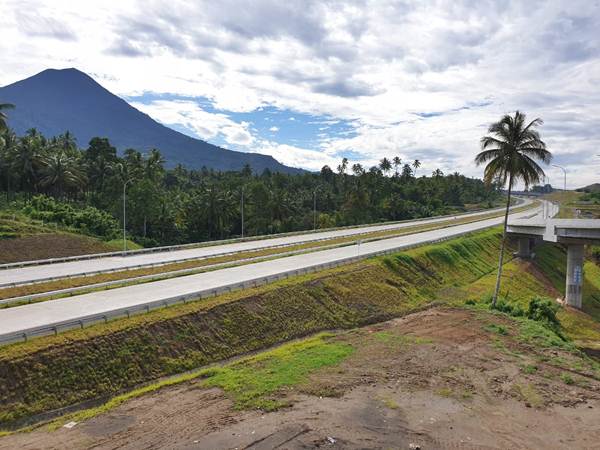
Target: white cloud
(274, 129)
(376, 63)
(204, 124)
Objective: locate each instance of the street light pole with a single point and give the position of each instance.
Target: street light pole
(242, 208)
(565, 171)
(314, 210)
(124, 216)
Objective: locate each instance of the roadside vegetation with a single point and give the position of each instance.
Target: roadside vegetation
(107, 359)
(54, 180)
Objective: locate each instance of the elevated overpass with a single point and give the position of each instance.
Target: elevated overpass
(573, 234)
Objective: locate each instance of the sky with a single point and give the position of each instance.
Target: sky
(310, 82)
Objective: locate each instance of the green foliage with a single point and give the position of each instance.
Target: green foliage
(179, 205)
(514, 310)
(544, 310)
(87, 219)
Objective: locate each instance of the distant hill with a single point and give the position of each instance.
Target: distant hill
(590, 188)
(54, 101)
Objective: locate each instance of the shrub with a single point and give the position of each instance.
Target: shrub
(87, 219)
(503, 306)
(544, 310)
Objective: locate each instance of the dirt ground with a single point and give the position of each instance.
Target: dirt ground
(49, 245)
(438, 379)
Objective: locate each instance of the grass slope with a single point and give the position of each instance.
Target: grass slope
(22, 238)
(45, 374)
(53, 372)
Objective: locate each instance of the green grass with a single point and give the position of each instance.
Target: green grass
(117, 244)
(251, 382)
(495, 328)
(529, 369)
(567, 379)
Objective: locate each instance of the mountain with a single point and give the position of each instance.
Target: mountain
(54, 101)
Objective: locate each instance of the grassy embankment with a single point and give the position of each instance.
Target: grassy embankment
(22, 238)
(571, 202)
(53, 372)
(201, 263)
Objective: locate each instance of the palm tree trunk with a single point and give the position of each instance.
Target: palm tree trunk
(502, 245)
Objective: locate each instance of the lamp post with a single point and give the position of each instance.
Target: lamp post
(242, 210)
(565, 172)
(124, 214)
(315, 209)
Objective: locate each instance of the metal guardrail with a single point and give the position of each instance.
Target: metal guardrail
(197, 258)
(170, 248)
(83, 321)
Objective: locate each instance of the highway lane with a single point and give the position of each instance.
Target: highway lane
(34, 316)
(106, 264)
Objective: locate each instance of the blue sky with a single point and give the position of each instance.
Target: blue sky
(282, 125)
(312, 81)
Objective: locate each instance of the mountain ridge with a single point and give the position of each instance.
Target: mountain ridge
(56, 100)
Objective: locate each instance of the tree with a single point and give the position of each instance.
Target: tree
(61, 172)
(416, 164)
(511, 153)
(437, 173)
(397, 164)
(358, 169)
(406, 172)
(3, 116)
(342, 167)
(385, 165)
(25, 159)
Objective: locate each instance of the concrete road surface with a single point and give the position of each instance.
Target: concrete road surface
(50, 313)
(30, 274)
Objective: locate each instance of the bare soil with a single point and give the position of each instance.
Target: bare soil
(49, 245)
(438, 379)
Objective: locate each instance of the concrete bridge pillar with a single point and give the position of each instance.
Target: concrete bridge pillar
(573, 291)
(525, 245)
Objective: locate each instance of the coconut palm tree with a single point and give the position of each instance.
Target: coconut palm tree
(385, 165)
(397, 164)
(61, 172)
(25, 159)
(3, 116)
(510, 153)
(416, 164)
(358, 169)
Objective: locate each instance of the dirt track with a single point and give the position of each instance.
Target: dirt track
(449, 384)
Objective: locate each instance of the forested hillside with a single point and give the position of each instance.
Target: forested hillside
(52, 179)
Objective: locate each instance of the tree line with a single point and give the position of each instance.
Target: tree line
(178, 205)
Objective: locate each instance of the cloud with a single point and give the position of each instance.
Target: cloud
(34, 24)
(419, 79)
(201, 123)
(274, 129)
